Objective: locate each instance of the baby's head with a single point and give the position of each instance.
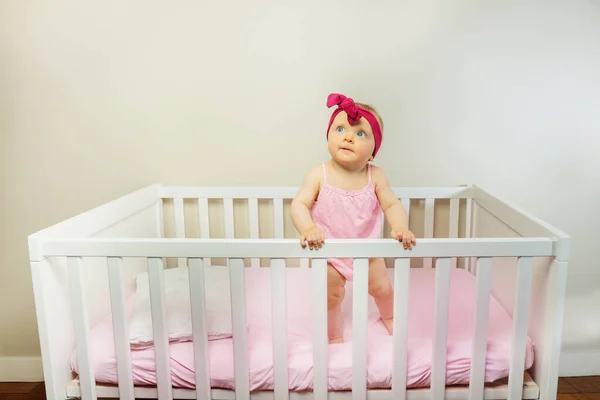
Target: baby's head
(355, 131)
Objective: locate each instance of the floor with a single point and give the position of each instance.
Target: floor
(584, 388)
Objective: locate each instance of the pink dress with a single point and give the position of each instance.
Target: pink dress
(347, 214)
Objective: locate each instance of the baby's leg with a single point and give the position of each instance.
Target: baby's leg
(335, 294)
(381, 289)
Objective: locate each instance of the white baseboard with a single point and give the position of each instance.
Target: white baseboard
(579, 363)
(21, 369)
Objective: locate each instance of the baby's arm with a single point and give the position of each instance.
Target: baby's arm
(301, 206)
(392, 208)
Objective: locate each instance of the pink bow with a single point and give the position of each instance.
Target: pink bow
(346, 104)
(354, 113)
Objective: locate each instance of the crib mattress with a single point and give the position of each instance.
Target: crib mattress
(380, 355)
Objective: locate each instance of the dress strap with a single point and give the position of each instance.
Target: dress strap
(324, 174)
(369, 173)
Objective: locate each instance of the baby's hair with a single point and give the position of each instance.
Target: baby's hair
(374, 112)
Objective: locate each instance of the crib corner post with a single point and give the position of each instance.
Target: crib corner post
(553, 327)
(55, 389)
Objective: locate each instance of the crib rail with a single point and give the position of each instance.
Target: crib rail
(290, 248)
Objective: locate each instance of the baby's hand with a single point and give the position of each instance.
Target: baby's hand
(314, 237)
(405, 236)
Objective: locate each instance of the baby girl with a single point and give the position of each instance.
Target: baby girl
(343, 199)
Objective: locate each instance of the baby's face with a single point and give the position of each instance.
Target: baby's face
(351, 145)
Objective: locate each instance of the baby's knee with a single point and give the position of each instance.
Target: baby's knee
(335, 296)
(380, 287)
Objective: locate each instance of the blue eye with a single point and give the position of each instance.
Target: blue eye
(340, 129)
(361, 134)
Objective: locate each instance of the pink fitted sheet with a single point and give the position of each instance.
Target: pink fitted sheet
(299, 315)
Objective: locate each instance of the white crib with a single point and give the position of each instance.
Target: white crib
(82, 261)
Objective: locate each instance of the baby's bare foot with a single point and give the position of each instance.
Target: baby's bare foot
(336, 340)
(389, 325)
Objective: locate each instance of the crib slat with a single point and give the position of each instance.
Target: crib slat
(454, 222)
(254, 232)
(228, 212)
(204, 223)
(428, 233)
(320, 338)
(443, 270)
(179, 225)
(468, 228)
(198, 307)
(120, 327)
(519, 333)
(160, 216)
(278, 218)
(159, 328)
(482, 301)
(81, 326)
(279, 320)
(401, 297)
(360, 303)
(238, 324)
(406, 205)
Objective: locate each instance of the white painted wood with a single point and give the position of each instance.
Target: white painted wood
(468, 228)
(443, 270)
(519, 334)
(160, 219)
(199, 328)
(454, 223)
(118, 304)
(406, 204)
(279, 320)
(400, 352)
(289, 248)
(239, 327)
(360, 303)
(479, 352)
(97, 219)
(320, 336)
(228, 213)
(289, 192)
(428, 233)
(53, 388)
(179, 217)
(522, 222)
(452, 393)
(204, 224)
(473, 235)
(278, 218)
(81, 325)
(159, 328)
(454, 217)
(254, 230)
(179, 226)
(552, 334)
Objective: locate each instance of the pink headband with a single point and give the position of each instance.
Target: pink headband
(354, 115)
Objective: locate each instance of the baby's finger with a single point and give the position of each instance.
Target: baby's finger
(303, 241)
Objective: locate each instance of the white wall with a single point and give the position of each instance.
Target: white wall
(100, 98)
